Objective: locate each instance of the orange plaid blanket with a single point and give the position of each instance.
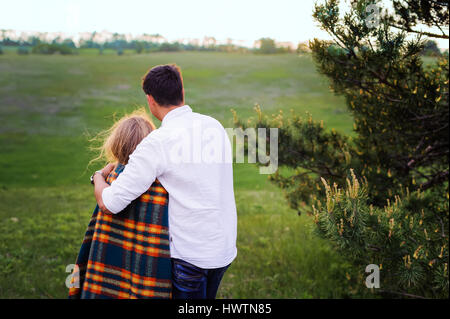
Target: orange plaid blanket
(126, 255)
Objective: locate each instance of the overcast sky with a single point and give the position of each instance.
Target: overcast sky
(284, 20)
(249, 20)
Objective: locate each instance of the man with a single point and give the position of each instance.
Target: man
(190, 154)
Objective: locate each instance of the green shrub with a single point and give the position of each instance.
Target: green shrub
(267, 46)
(431, 49)
(22, 50)
(170, 47)
(139, 47)
(46, 48)
(407, 238)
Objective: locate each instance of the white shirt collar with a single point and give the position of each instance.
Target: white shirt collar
(175, 113)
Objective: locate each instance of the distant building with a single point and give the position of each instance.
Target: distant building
(209, 41)
(286, 44)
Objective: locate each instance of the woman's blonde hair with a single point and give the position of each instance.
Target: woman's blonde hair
(119, 141)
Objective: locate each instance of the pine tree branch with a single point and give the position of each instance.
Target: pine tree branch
(437, 179)
(401, 294)
(442, 226)
(428, 34)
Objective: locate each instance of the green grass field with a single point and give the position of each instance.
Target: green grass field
(51, 105)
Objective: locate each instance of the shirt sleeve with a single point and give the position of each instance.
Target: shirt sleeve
(144, 165)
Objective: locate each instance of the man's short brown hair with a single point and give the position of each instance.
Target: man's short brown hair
(165, 84)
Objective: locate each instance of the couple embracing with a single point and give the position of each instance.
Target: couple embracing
(165, 223)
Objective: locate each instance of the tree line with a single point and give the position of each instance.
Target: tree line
(119, 44)
(68, 47)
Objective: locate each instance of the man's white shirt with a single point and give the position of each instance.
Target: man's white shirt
(191, 156)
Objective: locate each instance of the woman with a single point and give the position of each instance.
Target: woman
(126, 255)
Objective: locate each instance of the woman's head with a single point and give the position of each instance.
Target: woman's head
(121, 139)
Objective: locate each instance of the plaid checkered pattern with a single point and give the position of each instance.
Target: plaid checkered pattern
(126, 255)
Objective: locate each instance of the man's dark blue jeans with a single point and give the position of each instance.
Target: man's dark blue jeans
(192, 282)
